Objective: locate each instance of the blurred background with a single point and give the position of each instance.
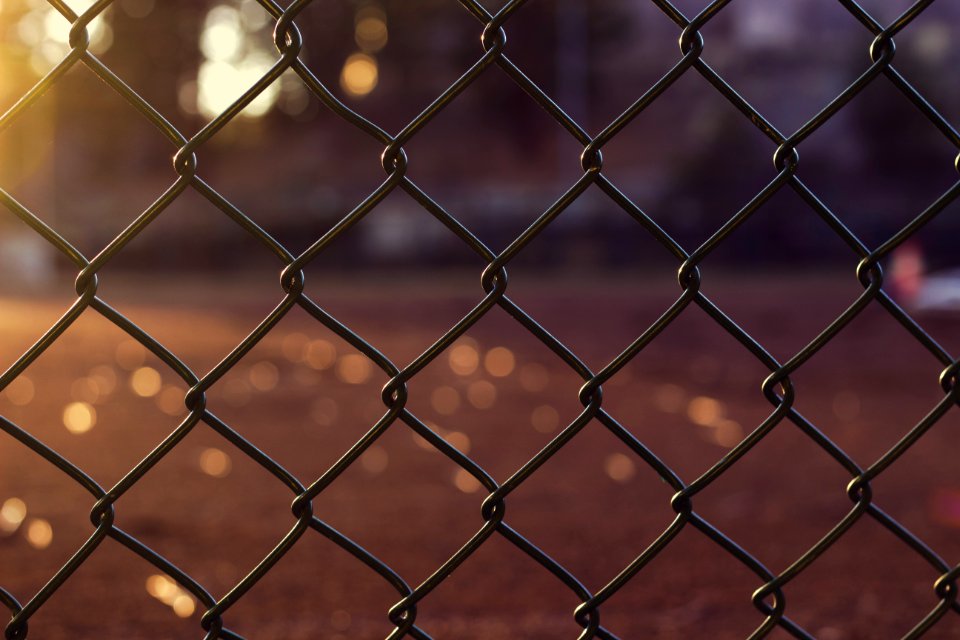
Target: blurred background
(85, 162)
(493, 158)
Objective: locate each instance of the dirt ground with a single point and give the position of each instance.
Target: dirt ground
(303, 397)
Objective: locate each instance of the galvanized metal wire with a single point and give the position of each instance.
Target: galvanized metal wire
(777, 388)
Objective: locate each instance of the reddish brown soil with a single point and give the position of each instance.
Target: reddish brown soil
(865, 390)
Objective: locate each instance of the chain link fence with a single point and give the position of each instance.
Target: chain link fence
(777, 388)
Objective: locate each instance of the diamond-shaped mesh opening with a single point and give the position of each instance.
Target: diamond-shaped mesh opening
(671, 609)
(527, 602)
(130, 584)
(895, 177)
(90, 164)
(498, 191)
(423, 542)
(759, 48)
(348, 599)
(595, 464)
(799, 482)
(824, 288)
(689, 160)
(45, 523)
(875, 577)
(839, 398)
(247, 498)
(94, 390)
(692, 411)
(920, 489)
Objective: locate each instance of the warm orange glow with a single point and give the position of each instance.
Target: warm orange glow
(20, 391)
(354, 368)
(162, 588)
(370, 31)
(499, 362)
(375, 459)
(146, 382)
(220, 84)
(320, 354)
(171, 594)
(359, 75)
(215, 462)
(79, 417)
(12, 513)
(445, 400)
(39, 533)
(183, 606)
(264, 376)
(482, 394)
(458, 440)
(371, 34)
(619, 467)
(47, 32)
(704, 411)
(464, 481)
(170, 400)
(463, 359)
(422, 442)
(726, 433)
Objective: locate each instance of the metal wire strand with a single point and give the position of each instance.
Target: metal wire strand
(769, 598)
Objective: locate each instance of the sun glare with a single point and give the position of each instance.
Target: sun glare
(222, 37)
(46, 32)
(233, 62)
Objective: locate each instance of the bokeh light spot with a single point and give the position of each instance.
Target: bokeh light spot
(545, 419)
(375, 459)
(482, 394)
(320, 355)
(619, 467)
(146, 382)
(499, 362)
(445, 400)
(463, 359)
(215, 462)
(12, 513)
(39, 533)
(704, 411)
(359, 75)
(79, 417)
(20, 391)
(264, 376)
(354, 368)
(464, 481)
